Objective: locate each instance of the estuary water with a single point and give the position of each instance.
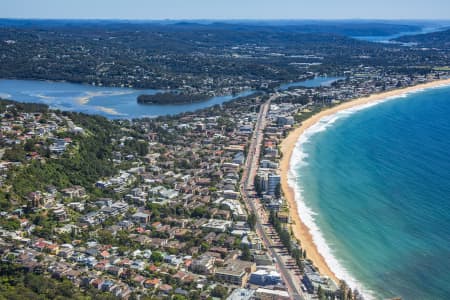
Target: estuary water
(113, 102)
(107, 101)
(310, 83)
(373, 185)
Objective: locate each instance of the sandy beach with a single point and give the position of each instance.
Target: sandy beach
(301, 231)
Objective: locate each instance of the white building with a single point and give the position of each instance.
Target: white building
(241, 294)
(217, 225)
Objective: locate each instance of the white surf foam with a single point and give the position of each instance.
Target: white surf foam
(307, 215)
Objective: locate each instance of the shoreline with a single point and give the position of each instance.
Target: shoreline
(300, 229)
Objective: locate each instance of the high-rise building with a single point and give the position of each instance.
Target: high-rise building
(273, 181)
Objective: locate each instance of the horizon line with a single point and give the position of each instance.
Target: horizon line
(221, 19)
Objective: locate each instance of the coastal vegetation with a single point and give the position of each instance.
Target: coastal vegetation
(171, 98)
(18, 284)
(88, 158)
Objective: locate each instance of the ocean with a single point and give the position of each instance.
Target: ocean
(373, 185)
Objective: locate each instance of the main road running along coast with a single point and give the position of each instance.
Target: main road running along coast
(246, 187)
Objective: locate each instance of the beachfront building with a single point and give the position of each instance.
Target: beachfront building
(285, 120)
(312, 280)
(267, 181)
(273, 182)
(268, 164)
(261, 181)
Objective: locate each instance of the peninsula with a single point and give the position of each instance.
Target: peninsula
(171, 98)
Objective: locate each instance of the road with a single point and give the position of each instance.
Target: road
(253, 205)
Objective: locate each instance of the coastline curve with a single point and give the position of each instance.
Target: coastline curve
(304, 226)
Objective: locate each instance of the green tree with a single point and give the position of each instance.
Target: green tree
(10, 224)
(204, 246)
(252, 221)
(219, 291)
(246, 255)
(320, 293)
(30, 145)
(296, 253)
(343, 289)
(349, 294)
(272, 217)
(285, 238)
(157, 257)
(105, 237)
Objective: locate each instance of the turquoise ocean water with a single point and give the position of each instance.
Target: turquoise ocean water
(373, 185)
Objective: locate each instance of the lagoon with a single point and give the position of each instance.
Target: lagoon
(311, 83)
(111, 102)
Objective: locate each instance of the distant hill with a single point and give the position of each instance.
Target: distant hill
(344, 27)
(199, 54)
(440, 39)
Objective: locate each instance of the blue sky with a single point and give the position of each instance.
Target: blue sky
(226, 9)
